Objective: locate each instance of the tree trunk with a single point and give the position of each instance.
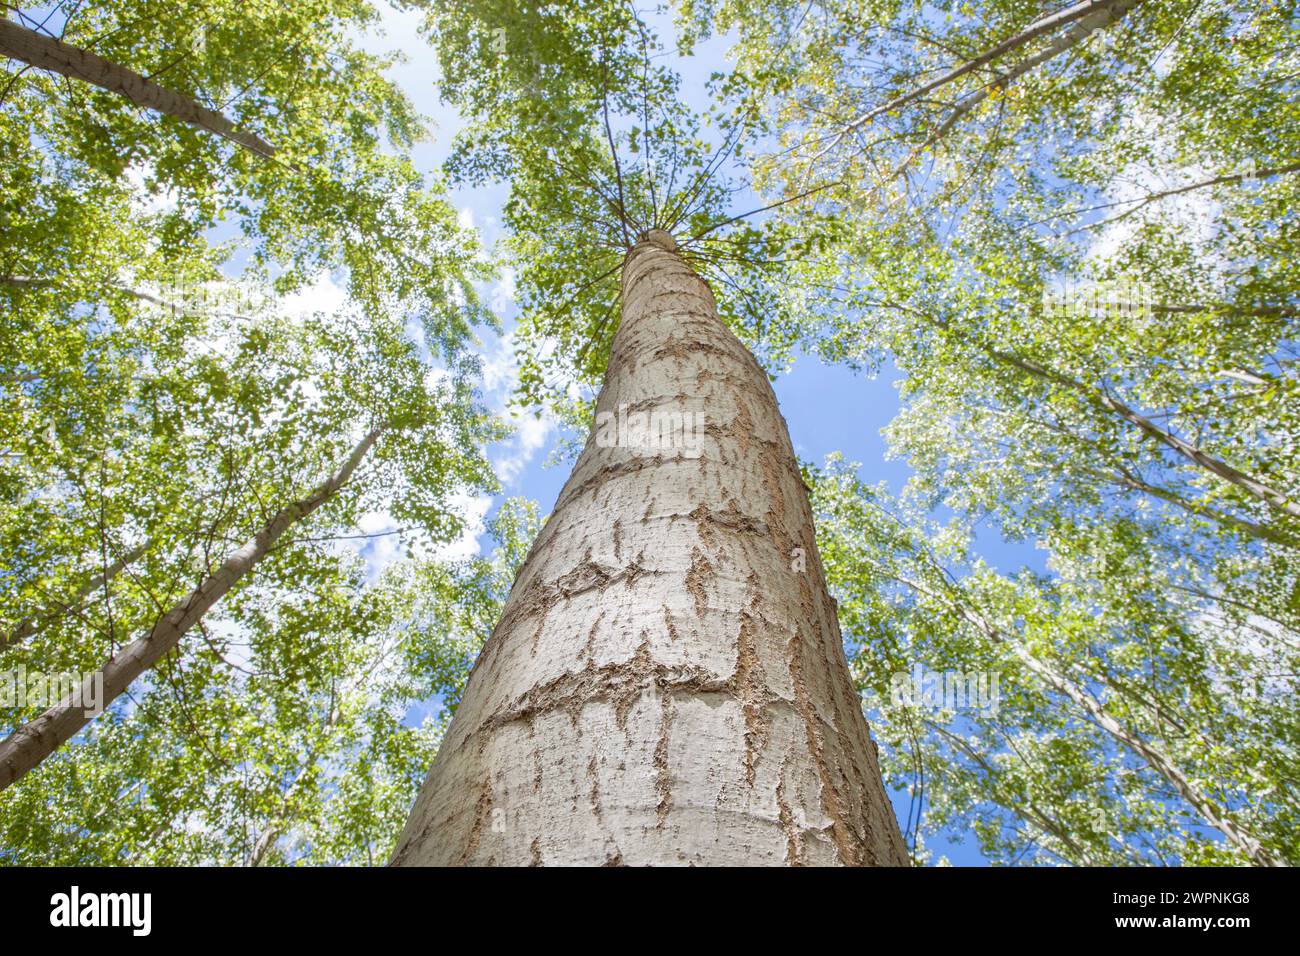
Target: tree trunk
(1095, 13)
(48, 53)
(667, 684)
(1150, 751)
(1098, 15)
(75, 602)
(29, 745)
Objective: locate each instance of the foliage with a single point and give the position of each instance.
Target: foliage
(1033, 773)
(575, 106)
(1078, 247)
(1072, 232)
(155, 414)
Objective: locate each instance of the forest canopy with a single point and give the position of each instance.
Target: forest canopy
(281, 354)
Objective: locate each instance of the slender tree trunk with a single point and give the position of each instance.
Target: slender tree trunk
(41, 282)
(1255, 530)
(30, 744)
(1096, 16)
(667, 684)
(276, 827)
(1104, 400)
(1160, 762)
(1150, 752)
(1218, 468)
(1143, 202)
(1126, 478)
(75, 602)
(48, 53)
(1025, 809)
(1094, 13)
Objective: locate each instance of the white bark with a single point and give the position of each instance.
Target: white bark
(667, 684)
(75, 602)
(29, 745)
(48, 53)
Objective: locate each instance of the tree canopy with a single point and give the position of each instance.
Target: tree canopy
(1069, 231)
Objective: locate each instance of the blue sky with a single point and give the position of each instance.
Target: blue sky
(828, 408)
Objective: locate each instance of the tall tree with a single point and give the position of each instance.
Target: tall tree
(269, 117)
(669, 661)
(1103, 747)
(289, 730)
(667, 682)
(30, 744)
(151, 425)
(1073, 234)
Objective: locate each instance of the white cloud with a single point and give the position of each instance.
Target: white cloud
(145, 201)
(500, 370)
(385, 546)
(500, 377)
(322, 294)
(473, 509)
(531, 435)
(1194, 210)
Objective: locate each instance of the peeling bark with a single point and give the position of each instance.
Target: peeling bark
(667, 684)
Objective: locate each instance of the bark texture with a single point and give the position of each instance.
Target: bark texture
(667, 684)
